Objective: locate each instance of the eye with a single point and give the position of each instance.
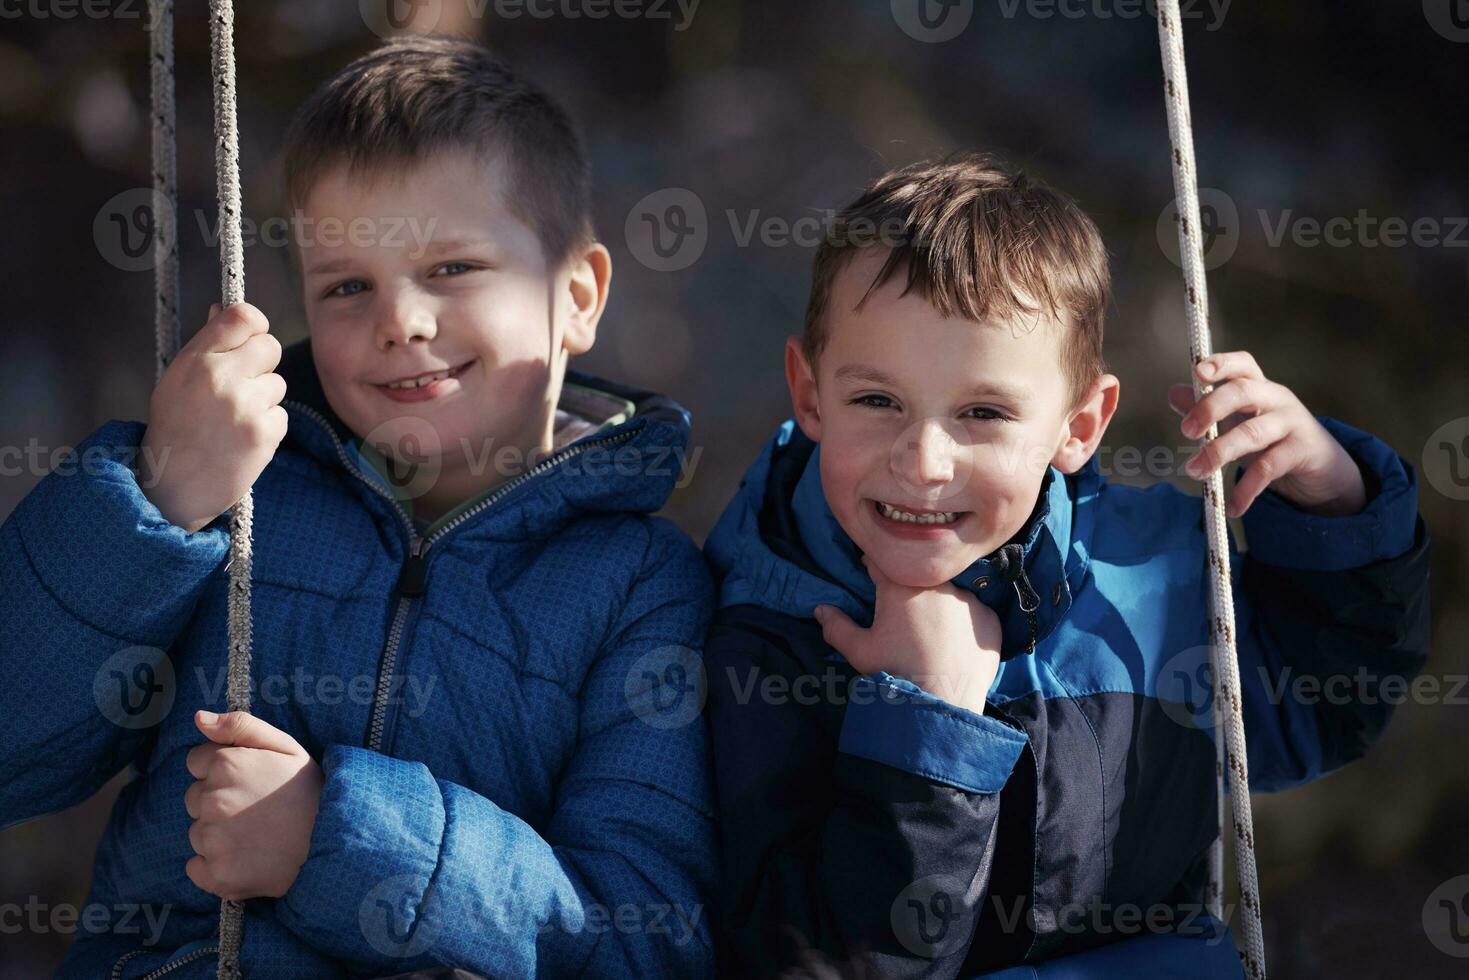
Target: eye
(985, 415)
(349, 288)
(873, 401)
(454, 268)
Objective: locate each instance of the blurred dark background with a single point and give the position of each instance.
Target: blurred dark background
(774, 110)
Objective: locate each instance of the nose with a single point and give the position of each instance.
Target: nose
(925, 454)
(404, 317)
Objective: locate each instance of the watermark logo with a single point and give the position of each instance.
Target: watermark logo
(666, 687)
(389, 920)
(72, 9)
(926, 916)
(125, 228)
(1450, 18)
(304, 688)
(135, 687)
(932, 21)
(39, 917)
(933, 459)
(1186, 688)
(1446, 459)
(390, 18)
(1446, 917)
(668, 230)
(1219, 228)
(411, 452)
(127, 225)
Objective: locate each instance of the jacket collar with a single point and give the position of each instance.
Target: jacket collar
(649, 452)
(794, 560)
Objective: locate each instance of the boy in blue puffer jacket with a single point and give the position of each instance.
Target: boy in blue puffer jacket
(463, 752)
(954, 677)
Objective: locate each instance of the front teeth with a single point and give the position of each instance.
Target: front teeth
(893, 513)
(420, 382)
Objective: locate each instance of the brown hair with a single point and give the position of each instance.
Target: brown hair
(979, 240)
(414, 95)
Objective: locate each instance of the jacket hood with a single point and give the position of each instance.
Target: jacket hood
(637, 463)
(778, 546)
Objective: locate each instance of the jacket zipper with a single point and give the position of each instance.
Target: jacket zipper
(412, 580)
(1013, 570)
(166, 968)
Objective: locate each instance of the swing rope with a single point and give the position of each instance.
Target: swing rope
(165, 188)
(232, 266)
(166, 281)
(1223, 657)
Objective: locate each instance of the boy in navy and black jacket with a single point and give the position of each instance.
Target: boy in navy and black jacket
(958, 688)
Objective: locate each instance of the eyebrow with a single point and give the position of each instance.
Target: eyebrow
(453, 245)
(333, 266)
(872, 375)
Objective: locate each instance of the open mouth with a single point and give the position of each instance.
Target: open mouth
(427, 378)
(917, 518)
(424, 386)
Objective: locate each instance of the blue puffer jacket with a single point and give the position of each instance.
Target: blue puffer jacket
(510, 786)
(1064, 832)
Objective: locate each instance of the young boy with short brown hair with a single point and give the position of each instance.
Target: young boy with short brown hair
(950, 673)
(455, 759)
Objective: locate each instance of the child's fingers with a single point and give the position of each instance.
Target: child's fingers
(1257, 477)
(227, 329)
(257, 356)
(199, 759)
(1221, 366)
(1241, 396)
(840, 632)
(198, 871)
(245, 730)
(191, 799)
(1252, 435)
(1181, 397)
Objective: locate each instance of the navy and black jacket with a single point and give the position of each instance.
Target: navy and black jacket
(1065, 831)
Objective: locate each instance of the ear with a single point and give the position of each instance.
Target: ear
(588, 280)
(801, 378)
(1087, 424)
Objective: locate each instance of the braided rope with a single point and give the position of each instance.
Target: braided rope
(166, 322)
(232, 266)
(165, 187)
(1224, 658)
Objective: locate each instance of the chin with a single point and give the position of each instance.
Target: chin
(917, 572)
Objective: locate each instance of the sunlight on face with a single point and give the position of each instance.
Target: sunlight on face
(948, 420)
(432, 275)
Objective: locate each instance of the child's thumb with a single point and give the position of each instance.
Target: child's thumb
(244, 729)
(838, 630)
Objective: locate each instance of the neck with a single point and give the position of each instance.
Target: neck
(463, 474)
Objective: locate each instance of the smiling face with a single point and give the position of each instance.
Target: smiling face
(936, 432)
(437, 323)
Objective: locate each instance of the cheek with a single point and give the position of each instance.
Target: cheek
(1003, 502)
(848, 466)
(509, 315)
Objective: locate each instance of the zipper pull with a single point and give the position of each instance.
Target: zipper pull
(412, 582)
(1010, 565)
(1030, 600)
